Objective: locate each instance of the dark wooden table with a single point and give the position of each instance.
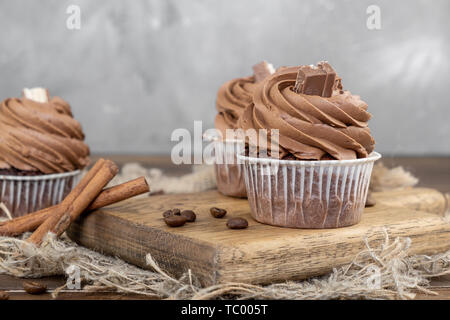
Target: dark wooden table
(433, 172)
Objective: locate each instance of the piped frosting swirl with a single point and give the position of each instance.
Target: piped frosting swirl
(232, 98)
(40, 136)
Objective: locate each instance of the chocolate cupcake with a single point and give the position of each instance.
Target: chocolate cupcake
(318, 175)
(41, 151)
(232, 99)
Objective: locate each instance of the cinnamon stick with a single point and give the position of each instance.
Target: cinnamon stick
(85, 181)
(90, 192)
(30, 222)
(120, 192)
(77, 200)
(59, 209)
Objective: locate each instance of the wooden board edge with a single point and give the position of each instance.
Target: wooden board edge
(201, 258)
(433, 237)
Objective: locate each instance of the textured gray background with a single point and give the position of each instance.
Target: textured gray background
(138, 69)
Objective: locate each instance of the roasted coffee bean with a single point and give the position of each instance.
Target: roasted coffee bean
(175, 221)
(33, 287)
(4, 296)
(217, 212)
(189, 214)
(176, 211)
(370, 201)
(167, 213)
(237, 223)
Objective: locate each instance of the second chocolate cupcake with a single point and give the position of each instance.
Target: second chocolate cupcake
(319, 174)
(232, 98)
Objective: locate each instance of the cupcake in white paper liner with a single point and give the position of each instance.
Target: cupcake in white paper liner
(318, 174)
(307, 194)
(42, 152)
(25, 194)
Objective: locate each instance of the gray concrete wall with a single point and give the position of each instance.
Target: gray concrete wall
(138, 69)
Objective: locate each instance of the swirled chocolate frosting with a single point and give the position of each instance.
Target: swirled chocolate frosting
(311, 127)
(232, 98)
(235, 95)
(41, 137)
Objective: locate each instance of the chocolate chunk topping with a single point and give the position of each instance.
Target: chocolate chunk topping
(310, 80)
(316, 80)
(329, 80)
(262, 70)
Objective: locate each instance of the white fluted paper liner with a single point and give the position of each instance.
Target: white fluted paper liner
(229, 173)
(307, 194)
(25, 194)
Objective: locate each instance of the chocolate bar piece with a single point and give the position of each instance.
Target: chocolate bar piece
(310, 80)
(330, 79)
(262, 70)
(316, 80)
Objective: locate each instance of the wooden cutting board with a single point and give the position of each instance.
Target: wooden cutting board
(261, 253)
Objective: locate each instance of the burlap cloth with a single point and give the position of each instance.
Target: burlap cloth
(399, 274)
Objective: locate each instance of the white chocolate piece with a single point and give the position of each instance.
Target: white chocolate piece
(271, 68)
(36, 94)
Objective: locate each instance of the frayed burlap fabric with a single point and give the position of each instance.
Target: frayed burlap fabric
(384, 270)
(202, 178)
